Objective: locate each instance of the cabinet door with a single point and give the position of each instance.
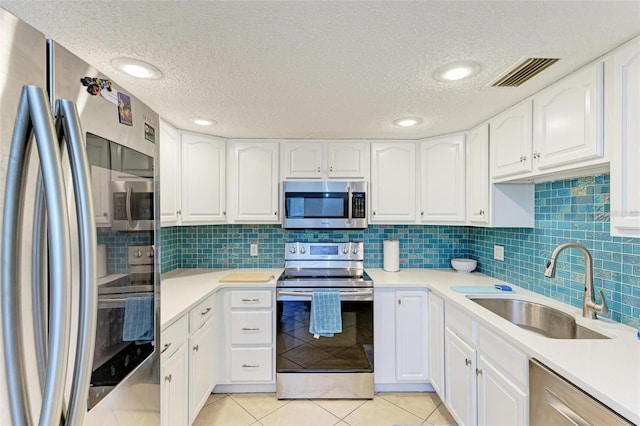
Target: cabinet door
(624, 137)
(347, 160)
(411, 336)
(99, 158)
(569, 119)
(393, 182)
(460, 378)
(500, 402)
(478, 175)
(169, 175)
(253, 182)
(302, 160)
(384, 336)
(442, 179)
(203, 179)
(201, 368)
(511, 141)
(435, 325)
(175, 388)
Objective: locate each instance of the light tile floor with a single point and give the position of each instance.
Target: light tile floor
(385, 409)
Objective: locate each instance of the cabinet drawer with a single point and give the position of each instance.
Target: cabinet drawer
(173, 336)
(251, 328)
(461, 324)
(251, 364)
(251, 299)
(505, 357)
(201, 313)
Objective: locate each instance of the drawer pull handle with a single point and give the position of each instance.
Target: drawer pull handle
(165, 347)
(205, 312)
(196, 347)
(250, 329)
(251, 300)
(467, 361)
(167, 378)
(250, 365)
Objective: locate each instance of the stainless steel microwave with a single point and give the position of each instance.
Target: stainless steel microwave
(132, 205)
(325, 204)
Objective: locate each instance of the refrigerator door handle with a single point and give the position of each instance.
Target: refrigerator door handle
(40, 281)
(34, 116)
(68, 128)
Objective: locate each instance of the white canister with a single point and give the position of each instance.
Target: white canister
(391, 253)
(102, 260)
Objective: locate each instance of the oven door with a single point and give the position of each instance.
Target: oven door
(350, 351)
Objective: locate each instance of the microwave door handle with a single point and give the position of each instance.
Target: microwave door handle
(350, 205)
(128, 206)
(68, 124)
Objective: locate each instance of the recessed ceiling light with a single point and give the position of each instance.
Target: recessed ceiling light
(456, 71)
(136, 68)
(407, 121)
(203, 122)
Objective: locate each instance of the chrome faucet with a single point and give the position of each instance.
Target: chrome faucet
(589, 306)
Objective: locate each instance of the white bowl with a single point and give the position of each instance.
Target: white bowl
(464, 265)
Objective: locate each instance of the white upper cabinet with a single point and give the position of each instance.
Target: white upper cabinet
(253, 181)
(169, 174)
(478, 175)
(442, 179)
(568, 119)
(393, 182)
(325, 160)
(98, 153)
(203, 179)
(624, 138)
(511, 141)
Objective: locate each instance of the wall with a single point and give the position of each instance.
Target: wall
(227, 246)
(568, 210)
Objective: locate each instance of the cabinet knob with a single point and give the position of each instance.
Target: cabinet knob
(478, 372)
(331, 169)
(196, 347)
(467, 361)
(165, 347)
(523, 158)
(318, 170)
(275, 213)
(374, 212)
(481, 212)
(179, 212)
(422, 213)
(105, 214)
(224, 213)
(205, 312)
(536, 156)
(167, 378)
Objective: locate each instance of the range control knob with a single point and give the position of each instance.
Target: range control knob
(345, 250)
(292, 250)
(355, 250)
(303, 250)
(138, 253)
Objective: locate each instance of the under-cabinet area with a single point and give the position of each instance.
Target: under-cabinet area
(428, 337)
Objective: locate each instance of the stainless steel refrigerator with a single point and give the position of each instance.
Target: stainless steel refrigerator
(79, 320)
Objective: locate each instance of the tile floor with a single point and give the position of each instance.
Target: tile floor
(385, 409)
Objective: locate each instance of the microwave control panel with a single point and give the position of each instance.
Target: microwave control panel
(359, 205)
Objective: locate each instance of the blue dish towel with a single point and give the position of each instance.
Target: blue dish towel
(138, 320)
(326, 316)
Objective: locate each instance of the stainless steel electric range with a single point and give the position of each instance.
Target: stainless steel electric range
(329, 367)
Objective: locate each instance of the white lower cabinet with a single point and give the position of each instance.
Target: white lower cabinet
(486, 378)
(187, 364)
(247, 354)
(401, 348)
(436, 344)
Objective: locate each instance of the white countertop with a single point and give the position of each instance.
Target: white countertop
(608, 369)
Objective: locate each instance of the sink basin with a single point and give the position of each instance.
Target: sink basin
(543, 320)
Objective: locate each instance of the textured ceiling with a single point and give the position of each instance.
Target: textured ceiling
(330, 69)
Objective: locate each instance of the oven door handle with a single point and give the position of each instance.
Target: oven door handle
(344, 292)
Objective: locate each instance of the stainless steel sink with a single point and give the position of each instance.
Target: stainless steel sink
(540, 319)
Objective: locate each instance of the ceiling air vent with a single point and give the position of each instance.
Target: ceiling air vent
(528, 69)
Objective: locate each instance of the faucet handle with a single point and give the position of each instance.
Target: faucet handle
(601, 307)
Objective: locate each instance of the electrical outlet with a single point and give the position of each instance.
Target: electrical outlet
(253, 251)
(498, 253)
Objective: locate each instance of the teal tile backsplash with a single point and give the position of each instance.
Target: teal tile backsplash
(567, 210)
